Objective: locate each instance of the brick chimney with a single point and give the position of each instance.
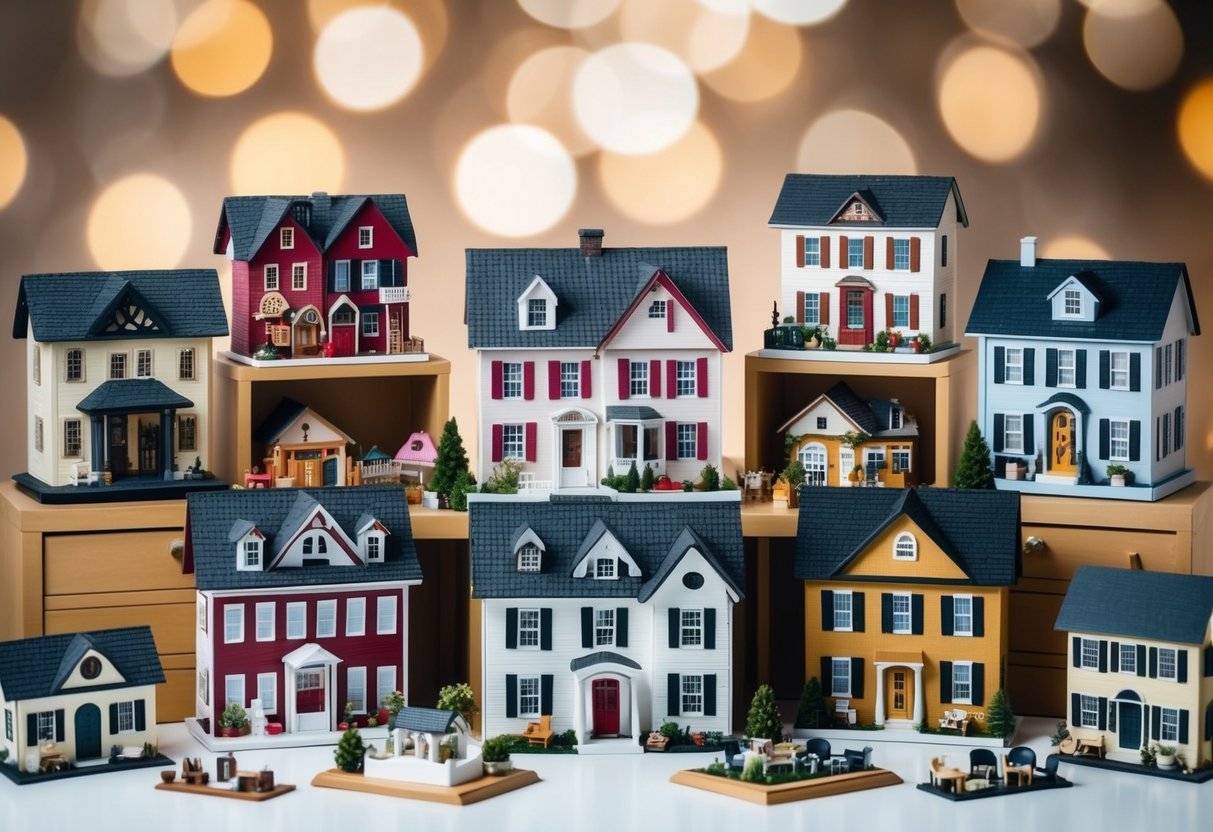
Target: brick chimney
(591, 241)
(1027, 252)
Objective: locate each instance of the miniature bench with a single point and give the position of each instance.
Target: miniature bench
(1087, 743)
(956, 719)
(540, 733)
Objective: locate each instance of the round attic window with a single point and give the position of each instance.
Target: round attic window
(692, 580)
(90, 668)
(416, 446)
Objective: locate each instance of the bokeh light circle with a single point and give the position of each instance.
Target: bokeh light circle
(668, 186)
(429, 18)
(1134, 46)
(703, 37)
(222, 48)
(799, 12)
(125, 37)
(569, 14)
(287, 152)
(368, 58)
(1073, 247)
(1195, 127)
(991, 101)
(854, 141)
(515, 180)
(14, 162)
(765, 66)
(1025, 22)
(541, 93)
(142, 221)
(634, 98)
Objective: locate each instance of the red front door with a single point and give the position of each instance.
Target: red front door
(606, 707)
(855, 326)
(343, 339)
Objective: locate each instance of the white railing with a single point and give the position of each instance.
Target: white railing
(621, 466)
(375, 470)
(527, 482)
(393, 294)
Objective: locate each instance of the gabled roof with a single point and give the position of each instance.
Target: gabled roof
(68, 307)
(686, 540)
(650, 530)
(425, 720)
(132, 395)
(211, 517)
(813, 200)
(870, 417)
(285, 414)
(1135, 299)
(35, 667)
(1126, 602)
(978, 529)
(252, 219)
(593, 292)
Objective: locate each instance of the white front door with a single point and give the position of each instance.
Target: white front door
(573, 472)
(846, 461)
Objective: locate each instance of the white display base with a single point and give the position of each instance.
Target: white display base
(284, 740)
(322, 361)
(861, 357)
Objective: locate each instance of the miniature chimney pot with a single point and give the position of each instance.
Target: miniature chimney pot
(1027, 252)
(591, 241)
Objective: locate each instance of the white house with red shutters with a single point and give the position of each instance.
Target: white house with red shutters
(593, 358)
(863, 254)
(319, 274)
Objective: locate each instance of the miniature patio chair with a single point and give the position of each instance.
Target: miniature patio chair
(733, 756)
(540, 733)
(941, 775)
(1020, 761)
(1050, 770)
(983, 763)
(858, 760)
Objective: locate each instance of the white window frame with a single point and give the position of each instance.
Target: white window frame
(366, 236)
(962, 615)
(374, 547)
(1071, 303)
(1012, 433)
(299, 277)
(233, 623)
(901, 457)
(855, 251)
(638, 379)
(386, 607)
(187, 432)
(355, 688)
(905, 547)
(1118, 370)
(355, 616)
(1013, 366)
(1088, 711)
(46, 725)
(605, 569)
(536, 313)
(204, 685)
(341, 275)
(691, 694)
(202, 613)
(529, 627)
(1067, 368)
(962, 688)
(901, 254)
(1168, 725)
(844, 611)
(812, 252)
(513, 441)
(73, 439)
(126, 716)
(1088, 654)
(687, 434)
(686, 385)
(840, 668)
(385, 684)
(1118, 439)
(264, 627)
(570, 379)
(901, 311)
(903, 611)
(370, 324)
(529, 558)
(296, 620)
(812, 308)
(187, 367)
(144, 368)
(36, 367)
(118, 365)
(73, 369)
(604, 627)
(1128, 659)
(511, 380)
(1169, 657)
(270, 275)
(691, 627)
(370, 275)
(529, 696)
(657, 310)
(286, 238)
(267, 692)
(235, 680)
(326, 618)
(39, 434)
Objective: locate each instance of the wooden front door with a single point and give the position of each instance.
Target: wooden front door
(88, 732)
(311, 700)
(117, 450)
(343, 340)
(572, 472)
(855, 327)
(149, 447)
(897, 682)
(1061, 451)
(605, 694)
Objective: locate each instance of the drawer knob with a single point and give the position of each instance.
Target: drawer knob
(176, 549)
(1034, 545)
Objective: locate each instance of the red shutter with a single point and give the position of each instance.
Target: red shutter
(844, 253)
(913, 311)
(888, 310)
(496, 383)
(553, 379)
(701, 440)
(625, 377)
(586, 390)
(655, 379)
(800, 307)
(825, 252)
(915, 253)
(800, 251)
(528, 380)
(496, 443)
(701, 377)
(671, 379)
(532, 437)
(888, 254)
(823, 308)
(669, 315)
(671, 440)
(868, 245)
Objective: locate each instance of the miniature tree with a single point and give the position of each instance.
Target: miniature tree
(452, 459)
(812, 710)
(464, 484)
(393, 703)
(648, 478)
(973, 470)
(763, 720)
(460, 699)
(1000, 719)
(710, 477)
(350, 751)
(632, 484)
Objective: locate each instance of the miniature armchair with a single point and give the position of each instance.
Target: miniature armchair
(733, 756)
(983, 763)
(540, 733)
(1020, 761)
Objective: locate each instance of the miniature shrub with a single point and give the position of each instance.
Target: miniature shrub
(350, 751)
(393, 702)
(568, 738)
(710, 478)
(233, 716)
(504, 478)
(648, 478)
(670, 731)
(812, 712)
(496, 749)
(828, 343)
(632, 483)
(924, 342)
(881, 344)
(752, 773)
(688, 486)
(452, 458)
(1060, 734)
(973, 470)
(716, 768)
(763, 720)
(727, 484)
(1000, 719)
(464, 484)
(460, 699)
(267, 352)
(714, 737)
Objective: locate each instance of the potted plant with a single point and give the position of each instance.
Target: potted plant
(894, 339)
(233, 722)
(793, 474)
(412, 493)
(1164, 755)
(495, 753)
(347, 718)
(1118, 475)
(196, 472)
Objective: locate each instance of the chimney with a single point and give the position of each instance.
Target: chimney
(591, 241)
(1027, 252)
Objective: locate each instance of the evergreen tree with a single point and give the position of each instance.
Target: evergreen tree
(763, 720)
(1000, 719)
(648, 478)
(973, 470)
(812, 710)
(350, 751)
(633, 481)
(452, 459)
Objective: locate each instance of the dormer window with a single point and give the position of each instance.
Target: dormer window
(315, 544)
(1073, 300)
(372, 536)
(250, 552)
(528, 558)
(528, 551)
(657, 309)
(1073, 303)
(604, 569)
(537, 313)
(537, 306)
(895, 418)
(374, 547)
(905, 547)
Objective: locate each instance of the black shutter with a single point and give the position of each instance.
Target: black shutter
(1181, 666)
(587, 626)
(1153, 672)
(1134, 441)
(827, 610)
(1105, 438)
(675, 620)
(947, 615)
(1103, 656)
(827, 676)
(1000, 365)
(673, 693)
(1029, 434)
(1102, 714)
(385, 271)
(1155, 720)
(1114, 657)
(1029, 365)
(1112, 717)
(31, 730)
(886, 612)
(978, 695)
(545, 628)
(59, 735)
(709, 628)
(916, 616)
(1050, 367)
(1209, 660)
(945, 682)
(621, 626)
(1183, 727)
(140, 715)
(1135, 372)
(1141, 660)
(331, 270)
(857, 678)
(1076, 709)
(997, 437)
(511, 695)
(114, 718)
(1105, 369)
(1080, 369)
(511, 628)
(709, 694)
(857, 616)
(979, 616)
(1158, 368)
(1076, 652)
(545, 693)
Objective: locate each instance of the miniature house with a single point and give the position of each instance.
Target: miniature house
(429, 730)
(1083, 366)
(310, 271)
(302, 601)
(862, 254)
(595, 358)
(78, 695)
(843, 440)
(417, 456)
(1141, 661)
(303, 449)
(906, 598)
(118, 383)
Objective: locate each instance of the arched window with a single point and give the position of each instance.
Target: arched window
(905, 547)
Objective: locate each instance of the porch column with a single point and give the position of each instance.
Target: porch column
(97, 444)
(919, 713)
(880, 715)
(579, 709)
(633, 684)
(167, 417)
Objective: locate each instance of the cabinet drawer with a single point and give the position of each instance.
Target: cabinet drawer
(172, 624)
(175, 698)
(1068, 547)
(112, 562)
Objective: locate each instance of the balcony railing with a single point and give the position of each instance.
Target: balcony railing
(393, 294)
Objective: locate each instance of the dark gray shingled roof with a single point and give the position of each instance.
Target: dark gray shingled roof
(1137, 604)
(252, 219)
(132, 395)
(282, 417)
(630, 412)
(650, 531)
(35, 667)
(872, 417)
(901, 201)
(211, 516)
(687, 540)
(1134, 299)
(592, 292)
(979, 529)
(184, 303)
(425, 720)
(602, 657)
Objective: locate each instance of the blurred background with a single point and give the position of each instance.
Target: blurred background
(124, 123)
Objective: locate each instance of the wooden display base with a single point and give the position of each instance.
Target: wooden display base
(473, 792)
(223, 791)
(760, 793)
